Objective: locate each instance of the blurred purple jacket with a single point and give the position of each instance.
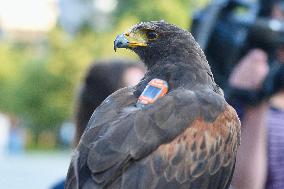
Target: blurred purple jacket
(275, 129)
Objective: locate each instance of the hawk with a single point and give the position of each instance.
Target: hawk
(186, 139)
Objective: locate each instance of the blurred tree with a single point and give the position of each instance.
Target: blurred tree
(174, 11)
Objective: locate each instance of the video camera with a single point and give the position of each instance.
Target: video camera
(226, 30)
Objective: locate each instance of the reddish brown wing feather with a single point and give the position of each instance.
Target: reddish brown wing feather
(203, 150)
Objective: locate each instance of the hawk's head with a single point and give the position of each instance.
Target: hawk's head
(156, 40)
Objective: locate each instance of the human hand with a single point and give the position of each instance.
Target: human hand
(250, 72)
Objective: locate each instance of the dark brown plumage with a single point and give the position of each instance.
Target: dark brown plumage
(186, 139)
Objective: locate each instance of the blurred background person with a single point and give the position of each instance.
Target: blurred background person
(4, 133)
(251, 165)
(102, 79)
(263, 135)
(245, 31)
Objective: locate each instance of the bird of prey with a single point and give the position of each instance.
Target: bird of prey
(186, 139)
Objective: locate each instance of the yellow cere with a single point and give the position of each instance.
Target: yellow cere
(136, 38)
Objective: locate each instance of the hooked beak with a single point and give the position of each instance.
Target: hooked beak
(121, 42)
(124, 41)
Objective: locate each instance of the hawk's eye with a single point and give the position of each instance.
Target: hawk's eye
(151, 35)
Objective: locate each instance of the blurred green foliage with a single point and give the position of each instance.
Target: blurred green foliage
(39, 79)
